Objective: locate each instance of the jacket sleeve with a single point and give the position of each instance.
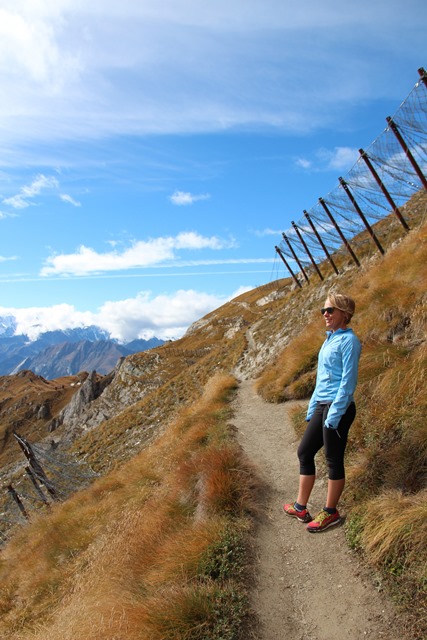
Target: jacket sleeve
(350, 353)
(313, 399)
(311, 406)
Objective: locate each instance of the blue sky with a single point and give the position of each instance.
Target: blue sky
(151, 153)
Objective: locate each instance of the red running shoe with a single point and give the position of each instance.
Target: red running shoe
(323, 521)
(302, 516)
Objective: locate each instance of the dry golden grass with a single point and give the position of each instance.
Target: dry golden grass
(180, 379)
(394, 538)
(153, 549)
(395, 532)
(293, 369)
(389, 439)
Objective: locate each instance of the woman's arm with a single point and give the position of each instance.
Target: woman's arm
(350, 354)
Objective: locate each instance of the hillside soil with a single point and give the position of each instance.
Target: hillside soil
(309, 586)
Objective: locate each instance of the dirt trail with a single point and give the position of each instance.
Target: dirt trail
(310, 586)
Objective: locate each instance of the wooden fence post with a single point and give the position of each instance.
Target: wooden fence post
(340, 233)
(36, 486)
(360, 212)
(288, 267)
(313, 262)
(322, 244)
(36, 466)
(288, 242)
(393, 127)
(383, 188)
(18, 501)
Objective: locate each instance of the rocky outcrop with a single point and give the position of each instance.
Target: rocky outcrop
(75, 412)
(101, 398)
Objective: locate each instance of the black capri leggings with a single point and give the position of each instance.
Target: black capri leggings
(317, 435)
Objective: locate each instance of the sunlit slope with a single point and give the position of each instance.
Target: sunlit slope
(156, 547)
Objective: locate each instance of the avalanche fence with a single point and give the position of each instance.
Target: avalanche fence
(391, 170)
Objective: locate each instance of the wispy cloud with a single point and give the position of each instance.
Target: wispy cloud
(142, 253)
(183, 198)
(7, 214)
(40, 183)
(56, 56)
(303, 163)
(261, 233)
(30, 43)
(67, 198)
(337, 159)
(17, 202)
(28, 192)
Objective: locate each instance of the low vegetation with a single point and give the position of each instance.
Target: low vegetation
(156, 549)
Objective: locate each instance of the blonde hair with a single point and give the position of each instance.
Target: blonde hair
(343, 303)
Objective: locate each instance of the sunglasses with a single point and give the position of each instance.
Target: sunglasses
(329, 310)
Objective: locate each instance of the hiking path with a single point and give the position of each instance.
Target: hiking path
(308, 586)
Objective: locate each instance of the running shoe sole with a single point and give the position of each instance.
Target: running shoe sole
(320, 529)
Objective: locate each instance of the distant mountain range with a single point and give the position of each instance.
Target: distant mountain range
(63, 353)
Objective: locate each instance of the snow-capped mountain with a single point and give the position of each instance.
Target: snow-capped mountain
(58, 353)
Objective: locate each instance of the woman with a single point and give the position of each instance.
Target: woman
(330, 414)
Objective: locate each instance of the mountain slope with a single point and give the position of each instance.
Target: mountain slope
(62, 353)
(130, 434)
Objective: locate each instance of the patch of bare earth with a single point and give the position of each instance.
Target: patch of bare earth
(309, 586)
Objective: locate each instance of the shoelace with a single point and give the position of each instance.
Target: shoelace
(321, 516)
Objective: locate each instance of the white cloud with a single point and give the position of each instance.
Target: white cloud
(30, 191)
(142, 253)
(181, 198)
(267, 232)
(337, 159)
(35, 320)
(340, 158)
(67, 198)
(234, 68)
(164, 316)
(40, 183)
(303, 163)
(17, 202)
(193, 240)
(32, 45)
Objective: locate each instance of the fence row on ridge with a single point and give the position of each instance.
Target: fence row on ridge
(391, 170)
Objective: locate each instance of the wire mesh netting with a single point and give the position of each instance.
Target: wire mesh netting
(47, 475)
(387, 173)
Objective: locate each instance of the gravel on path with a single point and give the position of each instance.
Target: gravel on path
(309, 586)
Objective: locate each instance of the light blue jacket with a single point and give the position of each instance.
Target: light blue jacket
(337, 369)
